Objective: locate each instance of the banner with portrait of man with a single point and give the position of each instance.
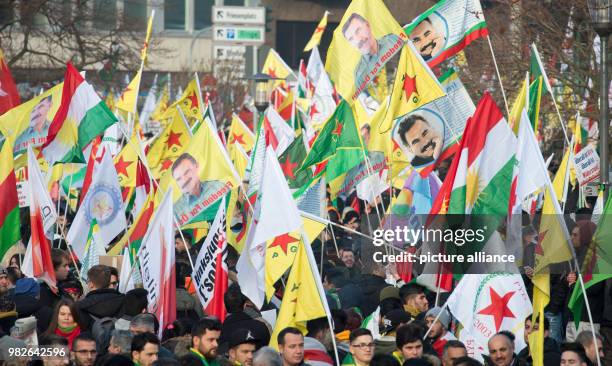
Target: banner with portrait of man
(367, 37)
(447, 28)
(200, 176)
(28, 124)
(431, 132)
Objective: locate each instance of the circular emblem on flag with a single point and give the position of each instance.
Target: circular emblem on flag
(103, 203)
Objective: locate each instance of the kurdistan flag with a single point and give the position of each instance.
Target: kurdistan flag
(9, 209)
(81, 117)
(447, 28)
(486, 304)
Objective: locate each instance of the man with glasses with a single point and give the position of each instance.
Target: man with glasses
(83, 350)
(361, 346)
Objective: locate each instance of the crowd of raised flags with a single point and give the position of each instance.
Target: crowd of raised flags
(276, 190)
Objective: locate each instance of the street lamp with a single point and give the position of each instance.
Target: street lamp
(601, 19)
(262, 91)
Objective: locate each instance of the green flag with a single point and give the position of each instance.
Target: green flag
(338, 143)
(290, 161)
(597, 264)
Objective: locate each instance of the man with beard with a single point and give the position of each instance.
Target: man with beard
(427, 40)
(358, 33)
(145, 349)
(318, 342)
(205, 341)
(419, 136)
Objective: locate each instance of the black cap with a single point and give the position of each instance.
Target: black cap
(241, 336)
(394, 318)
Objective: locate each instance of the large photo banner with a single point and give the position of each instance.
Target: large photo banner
(430, 132)
(447, 28)
(367, 37)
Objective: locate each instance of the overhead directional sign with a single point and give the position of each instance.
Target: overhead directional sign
(247, 35)
(239, 15)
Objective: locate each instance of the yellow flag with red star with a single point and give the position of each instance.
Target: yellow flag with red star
(276, 67)
(239, 133)
(280, 253)
(415, 85)
(129, 97)
(190, 104)
(318, 33)
(168, 146)
(126, 162)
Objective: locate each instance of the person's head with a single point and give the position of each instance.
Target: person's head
(452, 351)
(61, 352)
(333, 278)
(466, 361)
(135, 302)
(361, 346)
(582, 233)
(351, 219)
(365, 133)
(14, 275)
(531, 327)
(441, 325)
(233, 299)
(65, 315)
(144, 349)
(185, 172)
(114, 278)
(413, 295)
(38, 116)
(501, 350)
(291, 346)
(384, 360)
(267, 356)
(358, 33)
(348, 257)
(427, 40)
(143, 323)
(182, 245)
(98, 277)
(205, 337)
(16, 260)
(61, 263)
(73, 288)
(573, 354)
(4, 281)
(585, 338)
(319, 330)
(393, 320)
(120, 342)
(530, 235)
(409, 340)
(242, 345)
(420, 137)
(83, 350)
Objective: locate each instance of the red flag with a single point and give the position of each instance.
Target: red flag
(9, 95)
(90, 167)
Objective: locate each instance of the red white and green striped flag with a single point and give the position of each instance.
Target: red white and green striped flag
(9, 206)
(81, 117)
(447, 28)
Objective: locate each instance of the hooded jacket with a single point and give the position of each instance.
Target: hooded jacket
(100, 303)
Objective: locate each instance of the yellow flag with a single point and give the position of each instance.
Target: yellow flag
(235, 214)
(168, 146)
(190, 104)
(318, 33)
(145, 46)
(280, 253)
(415, 85)
(240, 134)
(276, 67)
(365, 40)
(301, 300)
(161, 107)
(28, 123)
(127, 161)
(541, 297)
(200, 176)
(312, 227)
(128, 99)
(553, 244)
(520, 103)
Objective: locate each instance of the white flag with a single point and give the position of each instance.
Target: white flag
(126, 277)
(488, 303)
(103, 202)
(283, 133)
(275, 213)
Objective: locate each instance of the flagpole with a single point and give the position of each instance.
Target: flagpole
(498, 76)
(59, 196)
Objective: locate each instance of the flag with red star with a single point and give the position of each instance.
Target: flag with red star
(415, 85)
(276, 67)
(488, 303)
(190, 104)
(126, 163)
(291, 160)
(240, 134)
(339, 143)
(318, 33)
(168, 146)
(128, 99)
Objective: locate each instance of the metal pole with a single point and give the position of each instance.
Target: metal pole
(603, 119)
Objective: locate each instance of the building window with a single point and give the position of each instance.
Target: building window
(291, 38)
(105, 14)
(135, 14)
(174, 14)
(234, 2)
(203, 13)
(6, 12)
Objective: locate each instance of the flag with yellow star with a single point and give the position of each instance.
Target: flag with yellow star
(168, 146)
(302, 285)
